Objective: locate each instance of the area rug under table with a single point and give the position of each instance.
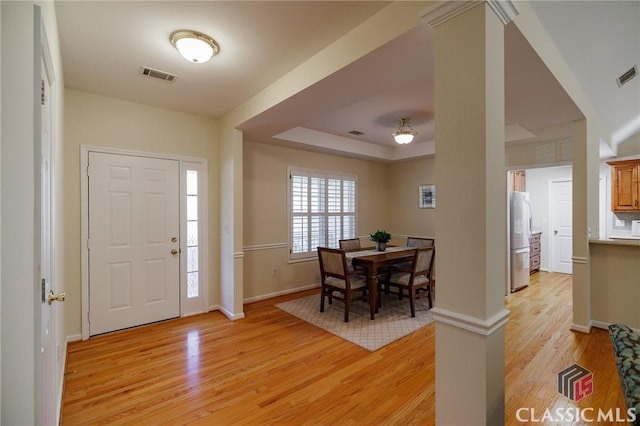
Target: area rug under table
(392, 322)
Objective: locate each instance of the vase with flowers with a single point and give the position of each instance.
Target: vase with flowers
(381, 238)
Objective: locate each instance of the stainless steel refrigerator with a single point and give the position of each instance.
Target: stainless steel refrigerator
(519, 237)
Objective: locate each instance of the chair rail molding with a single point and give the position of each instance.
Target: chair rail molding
(476, 325)
(579, 260)
(269, 246)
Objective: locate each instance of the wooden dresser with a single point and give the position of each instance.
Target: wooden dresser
(534, 252)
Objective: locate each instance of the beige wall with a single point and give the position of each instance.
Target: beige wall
(387, 198)
(615, 293)
(407, 217)
(630, 146)
(265, 212)
(100, 121)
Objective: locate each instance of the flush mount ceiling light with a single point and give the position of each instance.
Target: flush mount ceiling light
(405, 133)
(194, 46)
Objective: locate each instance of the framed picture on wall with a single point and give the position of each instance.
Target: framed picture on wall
(427, 196)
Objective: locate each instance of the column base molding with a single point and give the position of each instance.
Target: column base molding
(466, 322)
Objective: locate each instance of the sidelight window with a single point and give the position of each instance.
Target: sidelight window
(192, 235)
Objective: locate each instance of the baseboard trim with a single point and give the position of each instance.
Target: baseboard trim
(231, 315)
(582, 328)
(605, 325)
(73, 338)
(476, 325)
(600, 324)
(280, 293)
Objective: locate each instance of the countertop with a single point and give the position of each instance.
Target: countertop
(615, 242)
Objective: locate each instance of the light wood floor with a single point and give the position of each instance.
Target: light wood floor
(272, 368)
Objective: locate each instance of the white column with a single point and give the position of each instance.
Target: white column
(231, 240)
(471, 210)
(585, 147)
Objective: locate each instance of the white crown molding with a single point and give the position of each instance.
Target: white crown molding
(505, 9)
(476, 325)
(443, 11)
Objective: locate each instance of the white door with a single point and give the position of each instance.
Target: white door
(561, 224)
(47, 319)
(133, 241)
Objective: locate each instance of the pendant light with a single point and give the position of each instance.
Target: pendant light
(405, 133)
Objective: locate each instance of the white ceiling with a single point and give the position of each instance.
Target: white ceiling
(104, 44)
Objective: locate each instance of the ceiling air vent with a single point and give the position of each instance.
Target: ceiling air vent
(356, 133)
(624, 78)
(161, 75)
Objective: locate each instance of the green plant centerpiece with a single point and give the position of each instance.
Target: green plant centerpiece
(381, 238)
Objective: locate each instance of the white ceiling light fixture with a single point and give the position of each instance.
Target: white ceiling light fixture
(194, 46)
(405, 133)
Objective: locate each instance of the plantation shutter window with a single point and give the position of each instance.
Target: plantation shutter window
(322, 210)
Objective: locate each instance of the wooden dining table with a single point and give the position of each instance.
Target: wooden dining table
(372, 260)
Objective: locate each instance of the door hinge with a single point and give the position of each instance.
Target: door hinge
(44, 290)
(42, 98)
(88, 243)
(88, 316)
(88, 175)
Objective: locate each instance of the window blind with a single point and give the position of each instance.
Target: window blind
(322, 210)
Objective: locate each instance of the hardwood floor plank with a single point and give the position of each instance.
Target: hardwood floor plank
(273, 368)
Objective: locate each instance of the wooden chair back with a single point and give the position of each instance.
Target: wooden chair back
(350, 244)
(420, 242)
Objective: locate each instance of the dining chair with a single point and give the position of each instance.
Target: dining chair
(416, 242)
(350, 244)
(420, 242)
(336, 276)
(415, 280)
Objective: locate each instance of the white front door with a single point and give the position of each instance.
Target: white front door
(134, 243)
(561, 223)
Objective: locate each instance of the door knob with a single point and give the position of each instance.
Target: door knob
(56, 297)
(555, 232)
(174, 240)
(174, 251)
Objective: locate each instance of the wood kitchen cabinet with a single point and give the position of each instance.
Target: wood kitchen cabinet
(534, 252)
(625, 189)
